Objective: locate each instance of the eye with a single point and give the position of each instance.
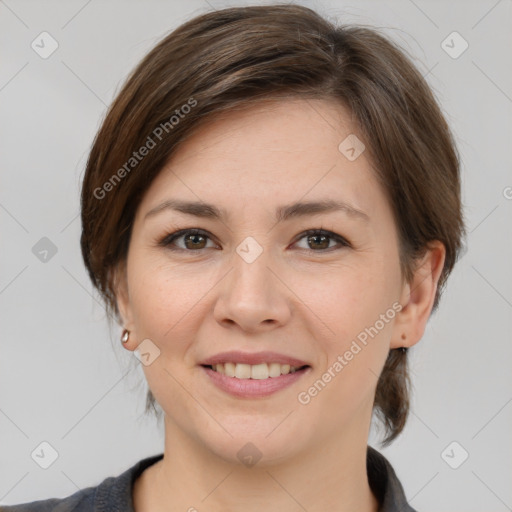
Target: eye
(317, 240)
(321, 239)
(194, 239)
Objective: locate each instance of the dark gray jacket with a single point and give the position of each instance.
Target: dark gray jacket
(114, 494)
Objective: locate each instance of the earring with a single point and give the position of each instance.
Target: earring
(125, 336)
(403, 349)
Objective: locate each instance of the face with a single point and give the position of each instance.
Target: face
(265, 284)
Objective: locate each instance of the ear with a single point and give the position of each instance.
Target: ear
(417, 298)
(122, 296)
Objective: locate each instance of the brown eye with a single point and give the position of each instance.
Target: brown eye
(320, 240)
(193, 240)
(317, 240)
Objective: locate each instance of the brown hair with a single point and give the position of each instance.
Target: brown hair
(235, 57)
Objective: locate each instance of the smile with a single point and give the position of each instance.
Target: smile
(254, 371)
(253, 381)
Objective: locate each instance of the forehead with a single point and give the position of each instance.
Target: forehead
(285, 149)
(273, 125)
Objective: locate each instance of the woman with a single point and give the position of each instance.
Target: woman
(270, 210)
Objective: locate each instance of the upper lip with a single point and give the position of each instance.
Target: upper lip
(252, 358)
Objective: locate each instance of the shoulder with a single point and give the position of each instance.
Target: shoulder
(81, 501)
(114, 494)
(385, 484)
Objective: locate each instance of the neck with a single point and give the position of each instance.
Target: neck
(332, 475)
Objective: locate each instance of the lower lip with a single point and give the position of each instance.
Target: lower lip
(253, 388)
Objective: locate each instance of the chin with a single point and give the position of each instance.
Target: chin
(261, 442)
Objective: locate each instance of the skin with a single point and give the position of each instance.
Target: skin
(307, 300)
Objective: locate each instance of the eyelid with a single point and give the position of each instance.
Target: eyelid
(319, 232)
(171, 237)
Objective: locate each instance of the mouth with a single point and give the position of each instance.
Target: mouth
(253, 374)
(246, 381)
(260, 371)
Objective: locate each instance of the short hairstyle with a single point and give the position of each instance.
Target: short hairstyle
(236, 57)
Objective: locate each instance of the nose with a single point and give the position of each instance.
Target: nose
(253, 295)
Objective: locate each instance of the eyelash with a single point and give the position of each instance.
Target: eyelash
(168, 239)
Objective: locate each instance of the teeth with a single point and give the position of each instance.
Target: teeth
(274, 370)
(255, 371)
(229, 369)
(243, 371)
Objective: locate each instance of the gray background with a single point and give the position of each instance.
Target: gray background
(65, 379)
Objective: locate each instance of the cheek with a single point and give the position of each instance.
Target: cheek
(346, 379)
(354, 309)
(345, 299)
(156, 278)
(165, 300)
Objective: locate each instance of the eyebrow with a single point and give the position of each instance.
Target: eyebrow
(283, 213)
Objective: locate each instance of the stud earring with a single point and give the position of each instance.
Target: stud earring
(125, 336)
(403, 349)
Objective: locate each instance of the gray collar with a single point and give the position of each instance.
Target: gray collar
(114, 494)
